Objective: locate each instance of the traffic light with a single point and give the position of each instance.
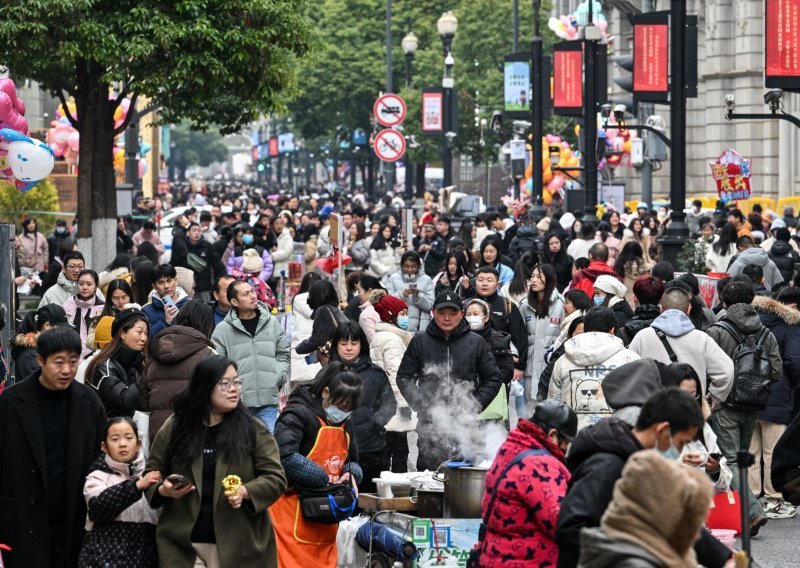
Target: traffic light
(625, 82)
(261, 167)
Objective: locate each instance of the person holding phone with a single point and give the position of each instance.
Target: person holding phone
(165, 299)
(212, 435)
(415, 288)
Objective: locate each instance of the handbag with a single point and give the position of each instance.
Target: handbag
(328, 505)
(196, 263)
(725, 512)
(474, 558)
(498, 408)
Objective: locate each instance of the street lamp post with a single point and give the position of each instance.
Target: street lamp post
(591, 35)
(447, 26)
(409, 45)
(388, 167)
(537, 115)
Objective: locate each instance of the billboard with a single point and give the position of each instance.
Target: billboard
(651, 57)
(285, 143)
(568, 78)
(782, 39)
(432, 111)
(517, 84)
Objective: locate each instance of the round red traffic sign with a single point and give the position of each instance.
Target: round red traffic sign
(389, 110)
(390, 145)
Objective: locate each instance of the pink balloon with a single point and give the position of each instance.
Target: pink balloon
(142, 167)
(553, 139)
(12, 109)
(602, 24)
(74, 140)
(556, 183)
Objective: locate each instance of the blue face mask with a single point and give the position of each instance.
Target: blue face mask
(671, 453)
(402, 322)
(247, 239)
(336, 415)
(598, 301)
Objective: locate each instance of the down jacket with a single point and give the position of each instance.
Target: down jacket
(578, 376)
(174, 353)
(282, 254)
(117, 382)
(120, 522)
(23, 354)
(376, 409)
(784, 257)
(59, 292)
(522, 524)
(386, 350)
(382, 262)
(236, 258)
(757, 256)
(263, 359)
(419, 306)
(783, 322)
(542, 334)
(301, 330)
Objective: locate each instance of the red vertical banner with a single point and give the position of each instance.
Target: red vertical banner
(782, 38)
(273, 147)
(651, 57)
(568, 78)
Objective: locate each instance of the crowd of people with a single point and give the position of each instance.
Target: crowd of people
(139, 389)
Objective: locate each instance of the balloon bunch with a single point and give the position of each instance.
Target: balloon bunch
(568, 27)
(558, 157)
(24, 162)
(618, 141)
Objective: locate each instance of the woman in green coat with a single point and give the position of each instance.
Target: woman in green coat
(210, 437)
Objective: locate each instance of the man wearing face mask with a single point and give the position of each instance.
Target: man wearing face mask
(694, 216)
(55, 241)
(415, 288)
(668, 420)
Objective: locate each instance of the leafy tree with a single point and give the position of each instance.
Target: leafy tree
(207, 61)
(14, 204)
(197, 148)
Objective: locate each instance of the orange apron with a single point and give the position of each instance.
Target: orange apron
(302, 544)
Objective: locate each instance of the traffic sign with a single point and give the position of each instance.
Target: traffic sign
(390, 145)
(389, 110)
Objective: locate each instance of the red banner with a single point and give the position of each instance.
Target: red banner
(273, 147)
(651, 57)
(568, 78)
(782, 38)
(732, 173)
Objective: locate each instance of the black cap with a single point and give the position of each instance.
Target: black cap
(52, 314)
(125, 316)
(558, 415)
(448, 300)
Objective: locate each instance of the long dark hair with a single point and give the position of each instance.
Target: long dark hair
(522, 272)
(236, 433)
(320, 294)
(349, 330)
(343, 385)
(549, 257)
(122, 260)
(305, 284)
(149, 251)
(142, 281)
(496, 242)
(379, 242)
(462, 266)
(113, 286)
(112, 347)
(727, 237)
(197, 315)
(541, 308)
(465, 234)
(631, 252)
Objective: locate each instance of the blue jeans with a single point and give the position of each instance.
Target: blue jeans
(268, 415)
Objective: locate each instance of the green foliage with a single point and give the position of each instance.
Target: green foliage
(14, 204)
(198, 148)
(692, 256)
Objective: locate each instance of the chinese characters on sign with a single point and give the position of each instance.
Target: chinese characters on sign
(568, 78)
(517, 81)
(782, 34)
(651, 57)
(432, 116)
(731, 172)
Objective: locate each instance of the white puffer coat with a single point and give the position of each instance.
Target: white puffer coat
(542, 334)
(382, 262)
(419, 307)
(302, 325)
(386, 351)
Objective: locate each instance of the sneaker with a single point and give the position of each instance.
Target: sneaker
(780, 510)
(756, 524)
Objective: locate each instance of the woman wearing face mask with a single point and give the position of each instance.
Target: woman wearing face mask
(115, 371)
(386, 350)
(609, 292)
(85, 306)
(415, 288)
(480, 321)
(378, 405)
(317, 447)
(542, 310)
(236, 255)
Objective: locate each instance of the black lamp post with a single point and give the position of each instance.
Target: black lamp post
(537, 115)
(409, 45)
(591, 36)
(447, 26)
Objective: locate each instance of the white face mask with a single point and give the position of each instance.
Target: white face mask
(475, 322)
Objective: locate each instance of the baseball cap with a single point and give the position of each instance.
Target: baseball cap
(557, 415)
(448, 300)
(52, 314)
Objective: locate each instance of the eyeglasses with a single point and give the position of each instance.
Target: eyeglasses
(74, 267)
(228, 386)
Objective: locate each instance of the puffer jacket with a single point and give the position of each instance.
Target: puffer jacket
(578, 375)
(81, 314)
(757, 256)
(59, 292)
(622, 310)
(784, 257)
(236, 258)
(23, 354)
(386, 350)
(174, 353)
(783, 322)
(154, 310)
(32, 251)
(642, 318)
(716, 262)
(382, 262)
(263, 359)
(117, 382)
(301, 330)
(746, 320)
(419, 306)
(376, 409)
(521, 526)
(598, 550)
(500, 346)
(542, 334)
(584, 280)
(282, 254)
(508, 318)
(435, 364)
(120, 522)
(359, 252)
(432, 259)
(527, 239)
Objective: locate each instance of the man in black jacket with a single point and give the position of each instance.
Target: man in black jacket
(668, 420)
(200, 257)
(447, 375)
(432, 249)
(647, 292)
(50, 433)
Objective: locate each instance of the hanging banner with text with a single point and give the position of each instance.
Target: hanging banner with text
(432, 111)
(782, 38)
(731, 172)
(651, 57)
(568, 78)
(517, 85)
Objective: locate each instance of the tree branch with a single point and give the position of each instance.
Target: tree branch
(128, 116)
(147, 110)
(72, 120)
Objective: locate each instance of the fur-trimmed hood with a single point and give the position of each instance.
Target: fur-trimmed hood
(25, 340)
(790, 316)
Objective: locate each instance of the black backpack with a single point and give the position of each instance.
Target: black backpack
(752, 371)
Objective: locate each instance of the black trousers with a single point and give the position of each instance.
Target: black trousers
(398, 451)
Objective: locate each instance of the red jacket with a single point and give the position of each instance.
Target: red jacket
(521, 527)
(584, 280)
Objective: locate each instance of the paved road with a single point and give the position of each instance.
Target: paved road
(778, 544)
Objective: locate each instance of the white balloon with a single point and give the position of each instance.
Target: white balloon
(30, 161)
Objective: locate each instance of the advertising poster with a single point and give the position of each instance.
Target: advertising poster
(568, 78)
(782, 39)
(731, 172)
(432, 115)
(517, 86)
(651, 57)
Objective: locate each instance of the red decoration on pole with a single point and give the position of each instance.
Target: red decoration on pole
(782, 39)
(651, 57)
(568, 78)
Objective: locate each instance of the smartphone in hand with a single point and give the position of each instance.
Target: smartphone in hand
(168, 302)
(178, 481)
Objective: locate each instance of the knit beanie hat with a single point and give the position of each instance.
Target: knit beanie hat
(102, 333)
(388, 307)
(610, 285)
(252, 262)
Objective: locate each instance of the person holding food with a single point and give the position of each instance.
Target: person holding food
(221, 470)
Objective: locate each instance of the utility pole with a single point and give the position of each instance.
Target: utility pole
(388, 167)
(591, 34)
(516, 24)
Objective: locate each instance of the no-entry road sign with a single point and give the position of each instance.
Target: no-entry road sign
(390, 145)
(389, 110)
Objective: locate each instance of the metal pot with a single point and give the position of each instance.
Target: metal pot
(430, 503)
(463, 492)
